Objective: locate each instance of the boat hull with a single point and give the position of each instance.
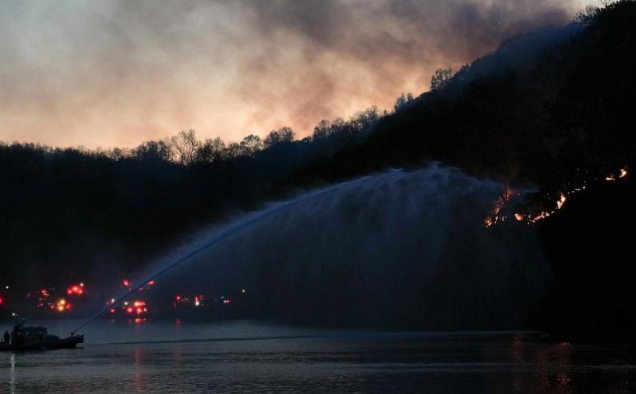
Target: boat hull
(64, 343)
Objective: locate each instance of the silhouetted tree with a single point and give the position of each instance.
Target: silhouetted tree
(402, 102)
(152, 150)
(185, 145)
(280, 136)
(251, 144)
(211, 150)
(440, 78)
(322, 130)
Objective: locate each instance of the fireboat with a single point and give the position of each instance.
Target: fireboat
(36, 338)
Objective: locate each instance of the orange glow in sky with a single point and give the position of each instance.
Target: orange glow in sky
(117, 73)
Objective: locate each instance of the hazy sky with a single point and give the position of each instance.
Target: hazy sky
(118, 72)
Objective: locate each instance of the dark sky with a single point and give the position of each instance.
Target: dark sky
(118, 72)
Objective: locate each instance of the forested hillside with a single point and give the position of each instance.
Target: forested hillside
(551, 108)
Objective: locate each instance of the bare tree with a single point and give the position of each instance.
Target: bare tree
(322, 130)
(440, 78)
(211, 150)
(233, 150)
(185, 145)
(251, 144)
(153, 150)
(282, 135)
(402, 102)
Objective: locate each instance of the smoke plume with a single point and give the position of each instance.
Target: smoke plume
(80, 72)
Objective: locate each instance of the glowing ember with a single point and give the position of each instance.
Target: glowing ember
(561, 201)
(622, 173)
(540, 216)
(494, 217)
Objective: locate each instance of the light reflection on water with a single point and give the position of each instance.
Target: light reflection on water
(244, 357)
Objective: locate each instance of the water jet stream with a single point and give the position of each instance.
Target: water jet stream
(223, 234)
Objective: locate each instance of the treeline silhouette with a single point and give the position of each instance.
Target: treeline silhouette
(553, 108)
(74, 213)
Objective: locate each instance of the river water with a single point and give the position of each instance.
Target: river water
(246, 357)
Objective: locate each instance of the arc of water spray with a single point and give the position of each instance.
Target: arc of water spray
(220, 236)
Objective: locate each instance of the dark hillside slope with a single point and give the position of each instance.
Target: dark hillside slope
(591, 248)
(564, 118)
(564, 121)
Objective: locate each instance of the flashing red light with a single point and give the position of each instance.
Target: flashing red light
(75, 289)
(178, 298)
(129, 310)
(112, 310)
(151, 282)
(126, 282)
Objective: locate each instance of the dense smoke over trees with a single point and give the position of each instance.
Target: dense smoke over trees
(117, 73)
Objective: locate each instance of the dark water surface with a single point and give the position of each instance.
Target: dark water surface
(244, 357)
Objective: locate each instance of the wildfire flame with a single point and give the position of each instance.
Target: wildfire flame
(622, 173)
(530, 219)
(561, 201)
(503, 199)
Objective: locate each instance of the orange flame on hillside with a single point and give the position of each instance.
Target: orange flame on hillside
(530, 219)
(495, 216)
